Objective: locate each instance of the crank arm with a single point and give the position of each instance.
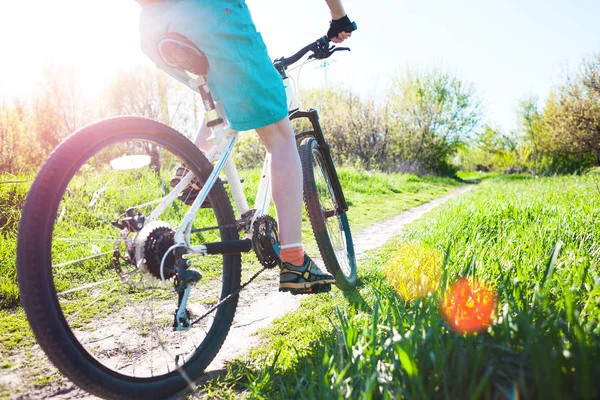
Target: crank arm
(224, 247)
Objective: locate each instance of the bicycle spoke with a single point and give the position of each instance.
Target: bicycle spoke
(91, 285)
(83, 240)
(96, 300)
(82, 259)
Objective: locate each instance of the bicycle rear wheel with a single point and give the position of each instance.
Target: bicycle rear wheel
(92, 291)
(329, 223)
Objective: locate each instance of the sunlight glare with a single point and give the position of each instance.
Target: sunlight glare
(93, 38)
(130, 162)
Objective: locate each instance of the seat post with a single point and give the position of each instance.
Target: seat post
(211, 115)
(177, 51)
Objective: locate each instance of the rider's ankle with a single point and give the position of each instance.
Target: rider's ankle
(293, 254)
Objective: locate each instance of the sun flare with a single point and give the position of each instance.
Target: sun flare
(90, 39)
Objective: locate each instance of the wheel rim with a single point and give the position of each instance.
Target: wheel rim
(123, 318)
(329, 209)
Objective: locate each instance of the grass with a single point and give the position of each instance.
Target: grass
(372, 196)
(376, 196)
(12, 196)
(534, 242)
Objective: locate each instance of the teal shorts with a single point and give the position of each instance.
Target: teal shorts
(241, 75)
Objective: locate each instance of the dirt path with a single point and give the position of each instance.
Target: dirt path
(260, 303)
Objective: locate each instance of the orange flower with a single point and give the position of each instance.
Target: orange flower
(468, 306)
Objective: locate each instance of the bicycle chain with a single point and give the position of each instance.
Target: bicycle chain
(228, 297)
(239, 224)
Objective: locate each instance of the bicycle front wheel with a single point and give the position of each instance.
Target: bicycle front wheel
(329, 223)
(89, 261)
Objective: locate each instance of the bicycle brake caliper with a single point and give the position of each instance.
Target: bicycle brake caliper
(186, 278)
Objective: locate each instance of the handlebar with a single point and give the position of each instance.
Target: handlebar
(320, 48)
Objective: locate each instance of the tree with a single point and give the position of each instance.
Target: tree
(11, 131)
(433, 113)
(573, 115)
(357, 130)
(141, 91)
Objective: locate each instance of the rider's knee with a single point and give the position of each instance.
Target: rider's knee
(278, 134)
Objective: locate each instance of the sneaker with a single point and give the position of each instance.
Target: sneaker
(190, 192)
(305, 279)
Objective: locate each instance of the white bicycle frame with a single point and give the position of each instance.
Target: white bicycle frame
(223, 139)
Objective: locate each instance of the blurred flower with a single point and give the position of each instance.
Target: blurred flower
(414, 270)
(468, 306)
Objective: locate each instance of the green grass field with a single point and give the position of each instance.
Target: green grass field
(384, 196)
(534, 242)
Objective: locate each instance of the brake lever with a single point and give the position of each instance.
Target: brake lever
(334, 49)
(321, 53)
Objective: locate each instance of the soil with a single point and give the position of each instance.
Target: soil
(260, 303)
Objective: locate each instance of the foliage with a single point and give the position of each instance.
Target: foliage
(433, 114)
(564, 137)
(249, 151)
(16, 141)
(359, 132)
(424, 120)
(12, 195)
(490, 150)
(573, 114)
(30, 130)
(545, 142)
(138, 91)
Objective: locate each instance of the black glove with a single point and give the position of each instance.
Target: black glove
(338, 26)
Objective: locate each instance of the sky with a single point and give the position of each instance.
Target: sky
(509, 50)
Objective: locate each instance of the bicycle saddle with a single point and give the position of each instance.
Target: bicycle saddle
(177, 51)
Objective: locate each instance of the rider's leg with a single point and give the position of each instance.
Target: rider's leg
(286, 179)
(299, 274)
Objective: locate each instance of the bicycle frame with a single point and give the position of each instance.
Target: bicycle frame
(223, 139)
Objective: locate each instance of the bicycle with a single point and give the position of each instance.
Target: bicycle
(105, 247)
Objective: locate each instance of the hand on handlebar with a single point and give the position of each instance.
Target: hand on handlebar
(320, 48)
(340, 29)
(341, 37)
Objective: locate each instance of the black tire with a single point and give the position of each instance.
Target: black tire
(331, 230)
(96, 373)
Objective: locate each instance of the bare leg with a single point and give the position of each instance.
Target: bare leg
(286, 178)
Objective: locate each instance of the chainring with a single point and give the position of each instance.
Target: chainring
(265, 241)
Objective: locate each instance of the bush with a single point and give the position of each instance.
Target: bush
(13, 190)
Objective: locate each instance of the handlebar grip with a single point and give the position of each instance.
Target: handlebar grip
(351, 28)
